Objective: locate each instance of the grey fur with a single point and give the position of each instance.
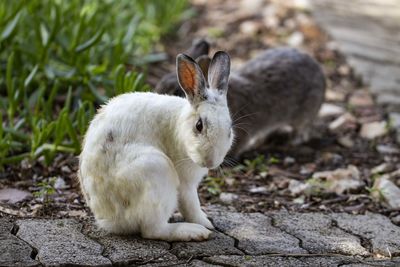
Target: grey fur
(281, 87)
(218, 72)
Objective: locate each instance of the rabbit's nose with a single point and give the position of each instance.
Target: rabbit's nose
(209, 163)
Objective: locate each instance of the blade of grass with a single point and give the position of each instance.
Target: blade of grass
(9, 29)
(14, 159)
(96, 93)
(91, 42)
(31, 75)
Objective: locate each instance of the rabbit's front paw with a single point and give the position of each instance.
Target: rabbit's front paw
(203, 220)
(192, 231)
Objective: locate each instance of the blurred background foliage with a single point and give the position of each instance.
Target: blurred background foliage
(60, 59)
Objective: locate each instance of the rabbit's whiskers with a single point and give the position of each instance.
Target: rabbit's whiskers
(245, 116)
(230, 161)
(227, 164)
(240, 128)
(241, 123)
(241, 109)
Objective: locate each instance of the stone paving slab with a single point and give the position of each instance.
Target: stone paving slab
(278, 261)
(125, 250)
(386, 263)
(296, 261)
(252, 239)
(318, 234)
(220, 244)
(382, 235)
(255, 233)
(14, 251)
(60, 242)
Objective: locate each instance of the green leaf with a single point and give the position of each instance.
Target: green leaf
(10, 63)
(53, 93)
(119, 79)
(31, 75)
(44, 34)
(68, 100)
(49, 48)
(132, 28)
(72, 133)
(9, 29)
(89, 43)
(1, 127)
(14, 159)
(16, 134)
(137, 82)
(96, 93)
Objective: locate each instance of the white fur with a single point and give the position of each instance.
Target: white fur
(142, 159)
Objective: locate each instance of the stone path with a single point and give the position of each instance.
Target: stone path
(368, 33)
(254, 239)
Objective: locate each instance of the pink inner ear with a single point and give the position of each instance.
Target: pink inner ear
(187, 73)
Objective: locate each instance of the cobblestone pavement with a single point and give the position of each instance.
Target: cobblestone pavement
(368, 33)
(253, 239)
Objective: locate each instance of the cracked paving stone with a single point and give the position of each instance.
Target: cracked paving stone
(60, 242)
(14, 251)
(273, 261)
(255, 233)
(199, 263)
(129, 249)
(375, 262)
(317, 233)
(182, 263)
(218, 244)
(381, 233)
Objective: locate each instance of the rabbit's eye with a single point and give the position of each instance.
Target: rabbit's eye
(199, 125)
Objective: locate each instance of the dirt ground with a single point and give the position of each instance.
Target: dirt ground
(279, 175)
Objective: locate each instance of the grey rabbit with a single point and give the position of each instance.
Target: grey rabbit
(281, 87)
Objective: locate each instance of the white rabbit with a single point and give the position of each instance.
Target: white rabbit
(144, 154)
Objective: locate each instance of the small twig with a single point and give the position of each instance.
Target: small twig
(188, 260)
(157, 257)
(13, 212)
(390, 254)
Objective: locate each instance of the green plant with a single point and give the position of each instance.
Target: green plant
(258, 164)
(46, 190)
(273, 160)
(317, 186)
(213, 184)
(59, 60)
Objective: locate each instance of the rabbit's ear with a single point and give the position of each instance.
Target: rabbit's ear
(218, 73)
(191, 78)
(204, 62)
(198, 48)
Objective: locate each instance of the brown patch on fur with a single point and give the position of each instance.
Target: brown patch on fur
(110, 137)
(106, 144)
(125, 203)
